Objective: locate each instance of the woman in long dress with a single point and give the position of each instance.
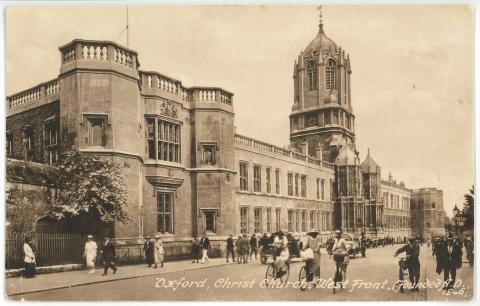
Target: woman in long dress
(90, 253)
(158, 253)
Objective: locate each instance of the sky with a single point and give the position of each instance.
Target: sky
(412, 81)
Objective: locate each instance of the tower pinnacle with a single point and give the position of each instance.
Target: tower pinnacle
(320, 23)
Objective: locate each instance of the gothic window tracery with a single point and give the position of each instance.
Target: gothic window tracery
(312, 76)
(330, 74)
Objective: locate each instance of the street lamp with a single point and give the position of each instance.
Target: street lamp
(456, 213)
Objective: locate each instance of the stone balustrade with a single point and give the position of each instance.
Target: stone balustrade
(34, 94)
(155, 80)
(262, 146)
(92, 50)
(158, 81)
(211, 94)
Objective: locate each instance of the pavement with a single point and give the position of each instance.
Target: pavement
(53, 281)
(368, 279)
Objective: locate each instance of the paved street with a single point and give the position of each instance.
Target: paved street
(371, 278)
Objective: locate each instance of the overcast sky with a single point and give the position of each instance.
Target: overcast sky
(412, 80)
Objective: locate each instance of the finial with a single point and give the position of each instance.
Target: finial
(320, 24)
(368, 151)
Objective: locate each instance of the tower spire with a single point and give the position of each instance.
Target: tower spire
(320, 21)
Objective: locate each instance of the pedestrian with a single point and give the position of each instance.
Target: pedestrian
(108, 256)
(149, 249)
(90, 253)
(238, 249)
(412, 251)
(244, 248)
(469, 249)
(451, 260)
(29, 257)
(196, 250)
(253, 246)
(205, 246)
(363, 246)
(313, 266)
(230, 248)
(264, 242)
(158, 252)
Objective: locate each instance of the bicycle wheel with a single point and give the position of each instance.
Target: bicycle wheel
(285, 275)
(270, 274)
(302, 278)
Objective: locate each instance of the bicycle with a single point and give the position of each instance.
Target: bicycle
(273, 273)
(302, 277)
(402, 267)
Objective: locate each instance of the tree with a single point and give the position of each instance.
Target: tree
(92, 190)
(468, 209)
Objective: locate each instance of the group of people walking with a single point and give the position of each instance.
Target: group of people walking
(154, 252)
(107, 253)
(200, 248)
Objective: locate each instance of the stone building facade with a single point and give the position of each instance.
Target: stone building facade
(187, 171)
(428, 214)
(397, 213)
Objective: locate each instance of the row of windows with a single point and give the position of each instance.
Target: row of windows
(296, 183)
(297, 220)
(393, 201)
(29, 141)
(329, 75)
(395, 222)
(257, 178)
(328, 117)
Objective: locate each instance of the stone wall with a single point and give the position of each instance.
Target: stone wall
(35, 117)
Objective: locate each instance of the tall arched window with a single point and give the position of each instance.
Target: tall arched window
(312, 76)
(330, 74)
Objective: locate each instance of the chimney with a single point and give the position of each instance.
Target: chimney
(304, 148)
(390, 178)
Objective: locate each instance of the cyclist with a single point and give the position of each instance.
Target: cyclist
(413, 251)
(313, 265)
(339, 251)
(281, 253)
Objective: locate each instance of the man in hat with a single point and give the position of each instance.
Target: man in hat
(230, 247)
(205, 245)
(469, 248)
(244, 248)
(239, 249)
(363, 245)
(108, 256)
(451, 260)
(412, 251)
(90, 253)
(253, 246)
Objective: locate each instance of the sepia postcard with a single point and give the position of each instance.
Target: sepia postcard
(239, 152)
